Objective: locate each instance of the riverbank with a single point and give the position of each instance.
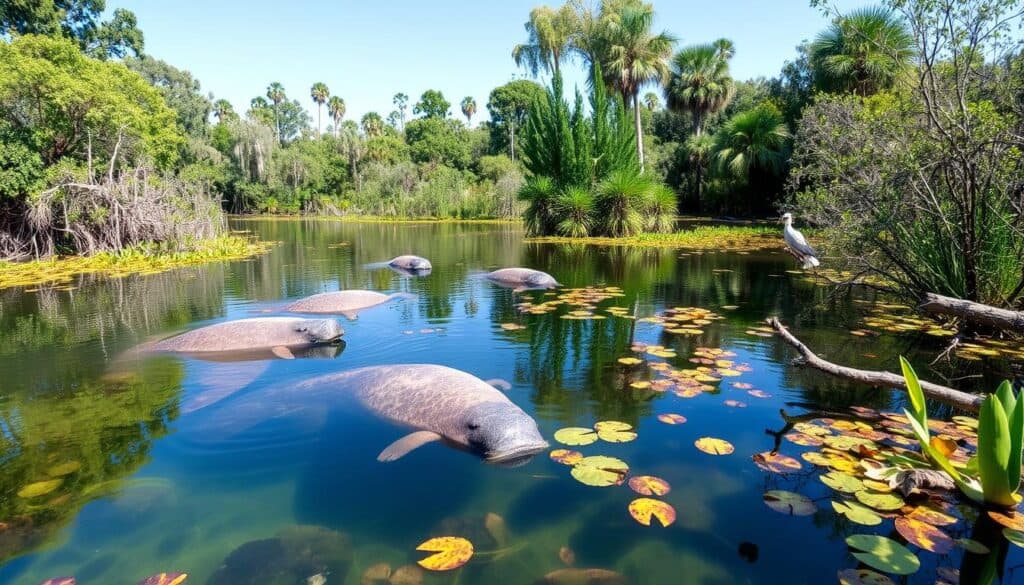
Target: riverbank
(704, 238)
(374, 219)
(137, 260)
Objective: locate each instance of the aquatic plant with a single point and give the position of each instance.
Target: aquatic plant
(992, 477)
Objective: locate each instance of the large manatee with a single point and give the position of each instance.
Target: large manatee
(409, 262)
(437, 402)
(343, 302)
(522, 278)
(278, 334)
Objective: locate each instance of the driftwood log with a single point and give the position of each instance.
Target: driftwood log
(969, 402)
(997, 318)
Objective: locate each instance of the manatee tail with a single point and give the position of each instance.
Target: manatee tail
(811, 262)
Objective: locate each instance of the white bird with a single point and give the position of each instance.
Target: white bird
(798, 244)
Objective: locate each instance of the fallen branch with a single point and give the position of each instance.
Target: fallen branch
(945, 394)
(974, 312)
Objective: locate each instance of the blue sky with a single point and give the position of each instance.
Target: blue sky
(367, 51)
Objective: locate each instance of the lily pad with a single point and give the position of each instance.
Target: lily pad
(576, 436)
(863, 577)
(713, 446)
(644, 509)
(776, 462)
(1013, 520)
(164, 579)
(884, 554)
(614, 431)
(973, 546)
(648, 485)
(803, 440)
(759, 394)
(566, 456)
(857, 513)
(879, 501)
(39, 488)
(735, 403)
(630, 361)
(842, 482)
(924, 535)
(932, 516)
(600, 471)
(60, 581)
(672, 419)
(1014, 536)
(789, 503)
(64, 469)
(450, 552)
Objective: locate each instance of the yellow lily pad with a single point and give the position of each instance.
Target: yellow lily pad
(644, 509)
(713, 446)
(450, 552)
(39, 488)
(575, 436)
(600, 471)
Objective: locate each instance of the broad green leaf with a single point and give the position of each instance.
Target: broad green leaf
(884, 554)
(39, 488)
(600, 471)
(1014, 536)
(576, 436)
(879, 501)
(916, 394)
(857, 513)
(994, 452)
(789, 503)
(1015, 418)
(842, 482)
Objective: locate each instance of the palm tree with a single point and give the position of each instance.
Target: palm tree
(550, 33)
(373, 124)
(753, 141)
(319, 93)
(468, 109)
(699, 150)
(223, 110)
(336, 108)
(700, 83)
(863, 52)
(651, 100)
(635, 57)
(400, 100)
(275, 93)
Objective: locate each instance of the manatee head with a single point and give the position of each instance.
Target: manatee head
(320, 330)
(502, 433)
(541, 280)
(417, 263)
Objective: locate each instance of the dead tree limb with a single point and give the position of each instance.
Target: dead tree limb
(945, 394)
(978, 313)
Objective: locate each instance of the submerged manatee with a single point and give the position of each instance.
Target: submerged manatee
(439, 402)
(522, 278)
(275, 333)
(343, 302)
(408, 262)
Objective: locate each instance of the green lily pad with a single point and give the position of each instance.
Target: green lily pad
(576, 436)
(884, 554)
(614, 431)
(857, 513)
(789, 503)
(600, 471)
(1014, 536)
(863, 577)
(39, 488)
(973, 546)
(64, 469)
(842, 482)
(879, 501)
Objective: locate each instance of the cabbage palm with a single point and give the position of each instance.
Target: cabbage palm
(336, 108)
(468, 109)
(275, 93)
(660, 213)
(651, 100)
(223, 110)
(319, 93)
(634, 57)
(373, 124)
(620, 200)
(539, 193)
(700, 83)
(754, 140)
(699, 151)
(863, 52)
(550, 32)
(575, 208)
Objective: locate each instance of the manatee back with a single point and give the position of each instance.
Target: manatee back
(237, 335)
(338, 301)
(513, 275)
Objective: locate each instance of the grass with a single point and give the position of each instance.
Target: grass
(724, 238)
(135, 260)
(373, 219)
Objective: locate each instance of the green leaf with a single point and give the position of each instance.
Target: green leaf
(884, 554)
(915, 392)
(1005, 395)
(994, 452)
(857, 513)
(1014, 536)
(926, 447)
(1015, 419)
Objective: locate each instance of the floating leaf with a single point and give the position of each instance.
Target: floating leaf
(566, 456)
(614, 431)
(450, 552)
(576, 436)
(789, 503)
(966, 421)
(759, 394)
(803, 440)
(1012, 520)
(884, 554)
(924, 535)
(742, 385)
(735, 404)
(973, 546)
(776, 462)
(943, 445)
(672, 419)
(648, 485)
(600, 471)
(931, 516)
(643, 509)
(842, 482)
(39, 488)
(880, 501)
(512, 326)
(863, 577)
(1014, 536)
(713, 446)
(811, 429)
(164, 579)
(64, 469)
(857, 513)
(60, 581)
(630, 361)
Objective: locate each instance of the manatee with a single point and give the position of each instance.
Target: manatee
(522, 278)
(408, 262)
(438, 402)
(344, 302)
(278, 334)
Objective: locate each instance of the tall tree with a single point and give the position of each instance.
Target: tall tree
(755, 141)
(223, 110)
(862, 52)
(180, 90)
(78, 20)
(509, 106)
(468, 109)
(373, 124)
(319, 93)
(401, 102)
(550, 33)
(699, 83)
(633, 56)
(336, 108)
(432, 105)
(275, 93)
(651, 100)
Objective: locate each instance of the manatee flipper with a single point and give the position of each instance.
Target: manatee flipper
(282, 352)
(500, 384)
(399, 448)
(350, 315)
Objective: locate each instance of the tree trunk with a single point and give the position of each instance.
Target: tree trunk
(319, 108)
(512, 137)
(639, 130)
(973, 312)
(969, 402)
